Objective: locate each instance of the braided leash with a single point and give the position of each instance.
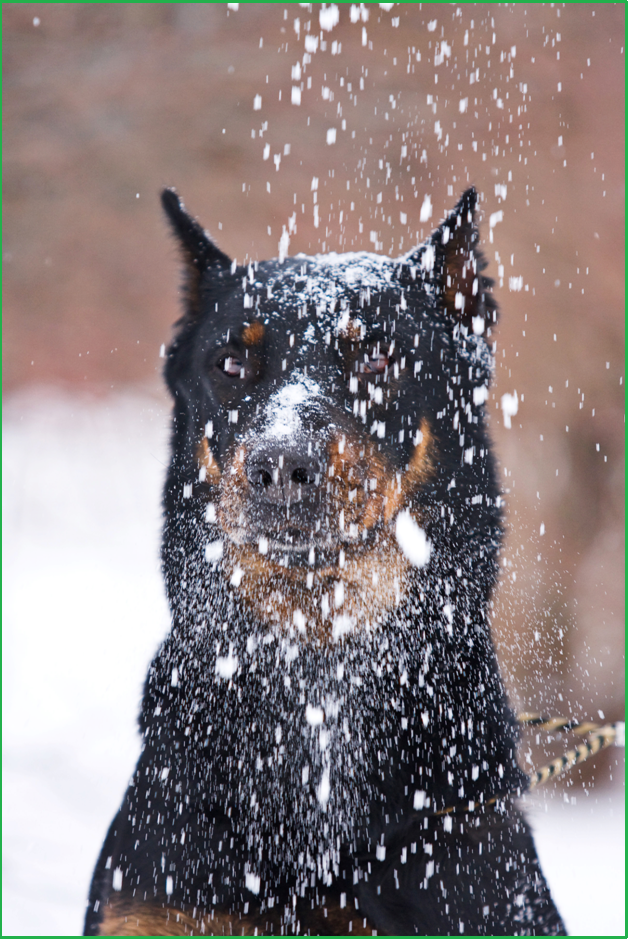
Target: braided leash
(597, 738)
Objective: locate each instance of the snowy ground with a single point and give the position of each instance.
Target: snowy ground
(84, 611)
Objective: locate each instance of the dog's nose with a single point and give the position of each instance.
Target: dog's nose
(283, 475)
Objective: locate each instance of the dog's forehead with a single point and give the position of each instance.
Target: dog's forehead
(329, 282)
(354, 296)
(341, 293)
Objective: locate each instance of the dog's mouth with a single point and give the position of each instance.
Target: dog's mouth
(311, 549)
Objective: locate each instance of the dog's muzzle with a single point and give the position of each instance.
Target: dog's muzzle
(282, 476)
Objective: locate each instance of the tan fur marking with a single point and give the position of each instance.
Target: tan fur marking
(373, 583)
(136, 918)
(253, 333)
(422, 464)
(420, 469)
(373, 577)
(132, 917)
(206, 458)
(234, 490)
(336, 922)
(352, 331)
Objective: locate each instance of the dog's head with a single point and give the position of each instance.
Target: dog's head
(329, 416)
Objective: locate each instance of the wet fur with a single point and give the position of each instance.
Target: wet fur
(308, 718)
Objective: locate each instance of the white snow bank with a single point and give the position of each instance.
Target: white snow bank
(83, 611)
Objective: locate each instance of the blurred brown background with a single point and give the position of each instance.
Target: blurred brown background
(104, 104)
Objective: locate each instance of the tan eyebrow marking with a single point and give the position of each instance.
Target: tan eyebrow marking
(353, 330)
(253, 333)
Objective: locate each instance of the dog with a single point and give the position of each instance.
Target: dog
(327, 744)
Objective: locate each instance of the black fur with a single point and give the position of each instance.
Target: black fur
(291, 776)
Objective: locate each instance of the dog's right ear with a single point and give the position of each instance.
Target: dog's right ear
(199, 252)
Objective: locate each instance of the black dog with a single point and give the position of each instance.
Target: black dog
(327, 748)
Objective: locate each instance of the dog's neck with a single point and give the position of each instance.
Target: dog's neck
(302, 735)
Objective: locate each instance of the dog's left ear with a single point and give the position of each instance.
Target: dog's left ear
(199, 252)
(453, 263)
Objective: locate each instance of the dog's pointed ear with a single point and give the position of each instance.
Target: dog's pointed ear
(454, 263)
(199, 252)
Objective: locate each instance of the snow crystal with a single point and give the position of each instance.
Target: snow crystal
(426, 209)
(213, 551)
(427, 258)
(420, 799)
(342, 625)
(510, 406)
(328, 17)
(169, 886)
(478, 325)
(227, 666)
(412, 540)
(236, 577)
(252, 882)
(299, 620)
(480, 394)
(314, 715)
(284, 244)
(116, 881)
(324, 788)
(310, 333)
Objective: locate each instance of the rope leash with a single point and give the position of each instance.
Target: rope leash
(559, 724)
(597, 737)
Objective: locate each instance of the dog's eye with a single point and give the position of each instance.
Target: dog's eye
(377, 363)
(232, 367)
